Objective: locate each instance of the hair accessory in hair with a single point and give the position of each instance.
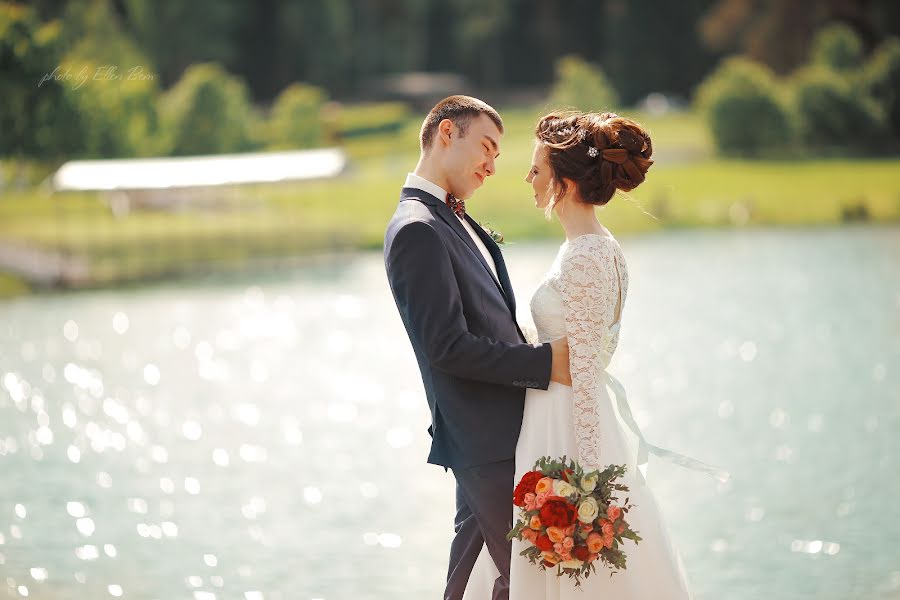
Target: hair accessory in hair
(593, 152)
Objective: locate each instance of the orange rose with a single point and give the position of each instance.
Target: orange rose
(556, 534)
(595, 543)
(544, 486)
(608, 529)
(530, 535)
(613, 512)
(550, 557)
(535, 522)
(608, 541)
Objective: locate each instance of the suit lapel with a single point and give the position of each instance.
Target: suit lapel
(497, 255)
(450, 218)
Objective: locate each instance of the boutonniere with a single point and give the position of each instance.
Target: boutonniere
(495, 235)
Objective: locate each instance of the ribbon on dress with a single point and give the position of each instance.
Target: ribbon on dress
(645, 448)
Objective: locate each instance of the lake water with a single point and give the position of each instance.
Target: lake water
(264, 437)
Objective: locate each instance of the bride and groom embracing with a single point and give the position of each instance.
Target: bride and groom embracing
(499, 400)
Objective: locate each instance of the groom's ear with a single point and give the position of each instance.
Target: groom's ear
(445, 131)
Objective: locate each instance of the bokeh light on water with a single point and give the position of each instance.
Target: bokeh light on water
(265, 439)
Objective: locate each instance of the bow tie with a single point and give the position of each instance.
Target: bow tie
(456, 205)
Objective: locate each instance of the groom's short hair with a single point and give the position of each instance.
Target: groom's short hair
(459, 109)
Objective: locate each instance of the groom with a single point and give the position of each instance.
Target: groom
(451, 287)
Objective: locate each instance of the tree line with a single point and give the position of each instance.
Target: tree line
(211, 61)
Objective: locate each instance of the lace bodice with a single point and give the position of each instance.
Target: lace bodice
(582, 298)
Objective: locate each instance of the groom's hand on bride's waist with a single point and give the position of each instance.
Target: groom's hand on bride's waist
(559, 369)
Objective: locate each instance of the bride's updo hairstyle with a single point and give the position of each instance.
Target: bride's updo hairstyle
(599, 152)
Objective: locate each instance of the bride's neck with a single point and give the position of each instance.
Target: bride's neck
(578, 218)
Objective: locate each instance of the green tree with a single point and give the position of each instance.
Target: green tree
(95, 33)
(296, 119)
(834, 115)
(116, 108)
(175, 34)
(581, 85)
(647, 47)
(837, 47)
(746, 116)
(36, 119)
(479, 36)
(304, 31)
(882, 79)
(208, 111)
(117, 91)
(780, 33)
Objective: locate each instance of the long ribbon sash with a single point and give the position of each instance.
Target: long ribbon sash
(645, 448)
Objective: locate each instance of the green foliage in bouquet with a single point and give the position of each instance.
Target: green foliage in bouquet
(572, 517)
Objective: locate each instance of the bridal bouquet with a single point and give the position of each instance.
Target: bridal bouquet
(572, 518)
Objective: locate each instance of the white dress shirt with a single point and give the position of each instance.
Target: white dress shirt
(420, 183)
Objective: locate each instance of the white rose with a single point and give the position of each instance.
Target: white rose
(588, 510)
(589, 482)
(561, 488)
(571, 564)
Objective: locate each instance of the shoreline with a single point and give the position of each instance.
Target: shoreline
(49, 272)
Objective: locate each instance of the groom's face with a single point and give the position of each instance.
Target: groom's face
(469, 159)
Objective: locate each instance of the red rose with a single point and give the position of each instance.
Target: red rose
(526, 486)
(557, 512)
(543, 542)
(581, 552)
(566, 474)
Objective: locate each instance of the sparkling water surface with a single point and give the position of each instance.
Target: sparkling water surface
(263, 437)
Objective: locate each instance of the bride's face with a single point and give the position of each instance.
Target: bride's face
(540, 176)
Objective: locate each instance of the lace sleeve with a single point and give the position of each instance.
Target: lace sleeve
(589, 285)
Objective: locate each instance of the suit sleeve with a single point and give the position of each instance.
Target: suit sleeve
(423, 282)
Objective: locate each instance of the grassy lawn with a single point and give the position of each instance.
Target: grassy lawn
(687, 187)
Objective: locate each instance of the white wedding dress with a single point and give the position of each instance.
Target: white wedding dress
(582, 297)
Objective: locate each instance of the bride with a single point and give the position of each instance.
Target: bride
(580, 160)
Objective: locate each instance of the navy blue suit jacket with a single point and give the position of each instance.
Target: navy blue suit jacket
(474, 360)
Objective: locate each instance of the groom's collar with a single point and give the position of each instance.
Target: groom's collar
(420, 183)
